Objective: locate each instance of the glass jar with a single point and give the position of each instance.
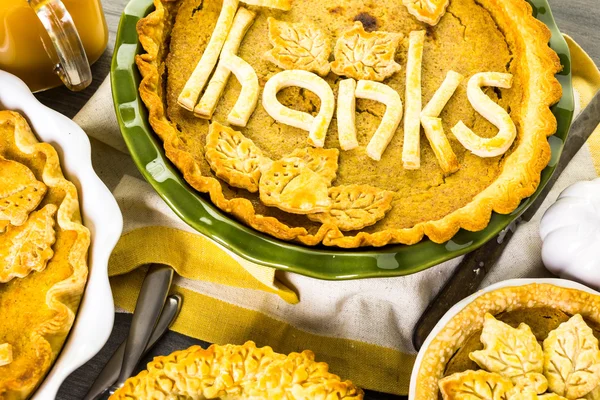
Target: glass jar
(55, 46)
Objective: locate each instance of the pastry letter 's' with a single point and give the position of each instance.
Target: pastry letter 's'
(491, 111)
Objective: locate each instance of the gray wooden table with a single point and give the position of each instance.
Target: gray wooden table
(578, 18)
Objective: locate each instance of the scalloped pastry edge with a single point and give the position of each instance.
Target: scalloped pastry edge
(521, 171)
(66, 294)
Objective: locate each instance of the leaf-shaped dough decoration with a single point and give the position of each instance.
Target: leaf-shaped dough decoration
(322, 161)
(6, 354)
(572, 359)
(20, 193)
(366, 55)
(299, 46)
(355, 207)
(291, 186)
(473, 385)
(28, 247)
(508, 351)
(233, 157)
(428, 11)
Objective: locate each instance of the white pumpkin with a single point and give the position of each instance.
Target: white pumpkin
(570, 230)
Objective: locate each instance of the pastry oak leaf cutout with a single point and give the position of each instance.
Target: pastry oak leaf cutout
(233, 157)
(322, 161)
(28, 247)
(366, 55)
(299, 46)
(20, 193)
(355, 207)
(512, 353)
(572, 359)
(472, 385)
(428, 11)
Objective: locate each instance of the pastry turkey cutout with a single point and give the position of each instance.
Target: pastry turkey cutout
(293, 187)
(428, 11)
(20, 193)
(299, 46)
(572, 359)
(366, 55)
(512, 353)
(473, 385)
(355, 207)
(233, 157)
(317, 126)
(322, 161)
(28, 247)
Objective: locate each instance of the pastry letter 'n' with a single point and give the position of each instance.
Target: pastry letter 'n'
(248, 98)
(391, 119)
(193, 87)
(346, 114)
(317, 126)
(242, 22)
(491, 111)
(411, 151)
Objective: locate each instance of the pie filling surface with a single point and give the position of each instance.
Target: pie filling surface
(43, 257)
(376, 44)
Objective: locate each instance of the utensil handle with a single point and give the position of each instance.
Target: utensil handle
(110, 373)
(151, 300)
(67, 51)
(464, 281)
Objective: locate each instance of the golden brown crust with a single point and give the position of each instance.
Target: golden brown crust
(20, 192)
(63, 297)
(240, 372)
(471, 319)
(528, 40)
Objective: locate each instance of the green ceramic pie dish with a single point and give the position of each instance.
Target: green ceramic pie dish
(319, 262)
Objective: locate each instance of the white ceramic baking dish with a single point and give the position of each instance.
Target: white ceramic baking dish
(101, 215)
(462, 304)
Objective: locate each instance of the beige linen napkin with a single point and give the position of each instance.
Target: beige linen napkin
(362, 328)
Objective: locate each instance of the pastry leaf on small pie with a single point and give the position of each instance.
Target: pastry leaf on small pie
(299, 46)
(428, 11)
(290, 185)
(355, 207)
(366, 55)
(28, 247)
(6, 354)
(233, 157)
(572, 359)
(473, 385)
(20, 193)
(507, 351)
(322, 161)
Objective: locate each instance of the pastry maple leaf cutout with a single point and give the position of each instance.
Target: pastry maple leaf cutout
(322, 161)
(28, 247)
(317, 126)
(499, 144)
(472, 385)
(6, 354)
(366, 55)
(512, 353)
(290, 185)
(299, 46)
(355, 207)
(20, 193)
(572, 359)
(428, 11)
(233, 157)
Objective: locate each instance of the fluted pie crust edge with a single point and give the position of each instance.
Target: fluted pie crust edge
(470, 320)
(528, 39)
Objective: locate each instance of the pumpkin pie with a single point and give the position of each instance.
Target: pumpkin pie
(431, 134)
(43, 257)
(237, 372)
(532, 341)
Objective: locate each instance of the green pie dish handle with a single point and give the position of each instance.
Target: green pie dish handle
(318, 262)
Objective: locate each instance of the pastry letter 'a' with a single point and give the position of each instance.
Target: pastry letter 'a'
(317, 126)
(196, 83)
(242, 22)
(491, 111)
(391, 119)
(411, 151)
